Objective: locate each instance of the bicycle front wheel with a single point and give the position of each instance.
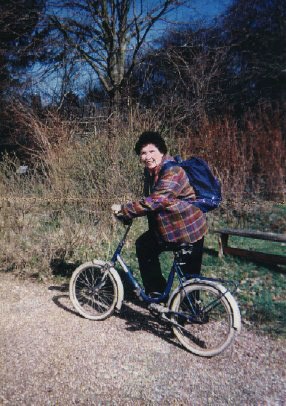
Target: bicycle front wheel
(204, 317)
(93, 291)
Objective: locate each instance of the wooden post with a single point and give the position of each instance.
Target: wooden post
(222, 244)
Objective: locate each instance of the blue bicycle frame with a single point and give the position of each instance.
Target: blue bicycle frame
(137, 288)
(174, 270)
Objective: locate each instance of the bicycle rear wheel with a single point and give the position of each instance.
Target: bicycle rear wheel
(205, 317)
(93, 291)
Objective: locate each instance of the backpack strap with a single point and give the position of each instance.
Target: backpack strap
(168, 164)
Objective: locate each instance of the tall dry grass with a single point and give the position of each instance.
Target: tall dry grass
(59, 213)
(248, 154)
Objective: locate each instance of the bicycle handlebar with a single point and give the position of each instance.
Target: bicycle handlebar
(126, 222)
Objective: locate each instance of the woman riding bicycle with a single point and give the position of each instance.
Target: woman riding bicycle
(173, 219)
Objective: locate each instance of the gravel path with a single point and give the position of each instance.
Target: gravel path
(51, 356)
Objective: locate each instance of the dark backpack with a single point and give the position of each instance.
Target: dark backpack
(207, 187)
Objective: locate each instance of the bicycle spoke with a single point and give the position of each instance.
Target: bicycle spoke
(93, 292)
(205, 317)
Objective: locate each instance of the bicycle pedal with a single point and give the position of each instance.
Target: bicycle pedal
(157, 308)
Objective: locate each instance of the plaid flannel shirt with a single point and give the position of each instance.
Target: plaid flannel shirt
(169, 208)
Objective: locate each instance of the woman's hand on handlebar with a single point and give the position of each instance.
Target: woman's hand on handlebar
(116, 210)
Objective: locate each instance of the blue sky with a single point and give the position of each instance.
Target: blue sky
(197, 12)
(207, 9)
(203, 10)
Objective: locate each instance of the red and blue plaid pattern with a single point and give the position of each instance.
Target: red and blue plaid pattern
(169, 207)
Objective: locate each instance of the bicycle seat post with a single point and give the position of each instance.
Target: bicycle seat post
(177, 266)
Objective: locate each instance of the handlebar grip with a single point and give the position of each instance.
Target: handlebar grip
(124, 220)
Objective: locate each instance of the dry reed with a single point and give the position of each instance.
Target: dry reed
(59, 212)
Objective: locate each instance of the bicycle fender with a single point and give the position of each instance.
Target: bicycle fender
(236, 317)
(114, 273)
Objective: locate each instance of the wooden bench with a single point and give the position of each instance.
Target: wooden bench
(251, 255)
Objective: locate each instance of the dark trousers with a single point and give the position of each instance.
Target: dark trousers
(148, 250)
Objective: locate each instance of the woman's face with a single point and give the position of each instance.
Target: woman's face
(150, 156)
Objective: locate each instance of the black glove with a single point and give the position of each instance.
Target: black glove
(124, 220)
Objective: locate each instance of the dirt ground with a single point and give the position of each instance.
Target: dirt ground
(49, 355)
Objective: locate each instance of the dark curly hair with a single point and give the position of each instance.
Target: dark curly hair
(150, 137)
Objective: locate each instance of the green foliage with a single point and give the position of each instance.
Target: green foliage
(58, 215)
(261, 292)
(252, 214)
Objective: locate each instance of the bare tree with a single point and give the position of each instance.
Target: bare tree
(18, 20)
(255, 67)
(108, 35)
(183, 73)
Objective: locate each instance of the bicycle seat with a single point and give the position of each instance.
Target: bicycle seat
(184, 246)
(176, 247)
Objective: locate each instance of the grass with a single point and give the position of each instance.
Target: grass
(269, 247)
(47, 241)
(58, 215)
(261, 289)
(261, 292)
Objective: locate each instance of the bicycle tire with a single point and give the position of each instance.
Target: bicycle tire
(209, 330)
(93, 291)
